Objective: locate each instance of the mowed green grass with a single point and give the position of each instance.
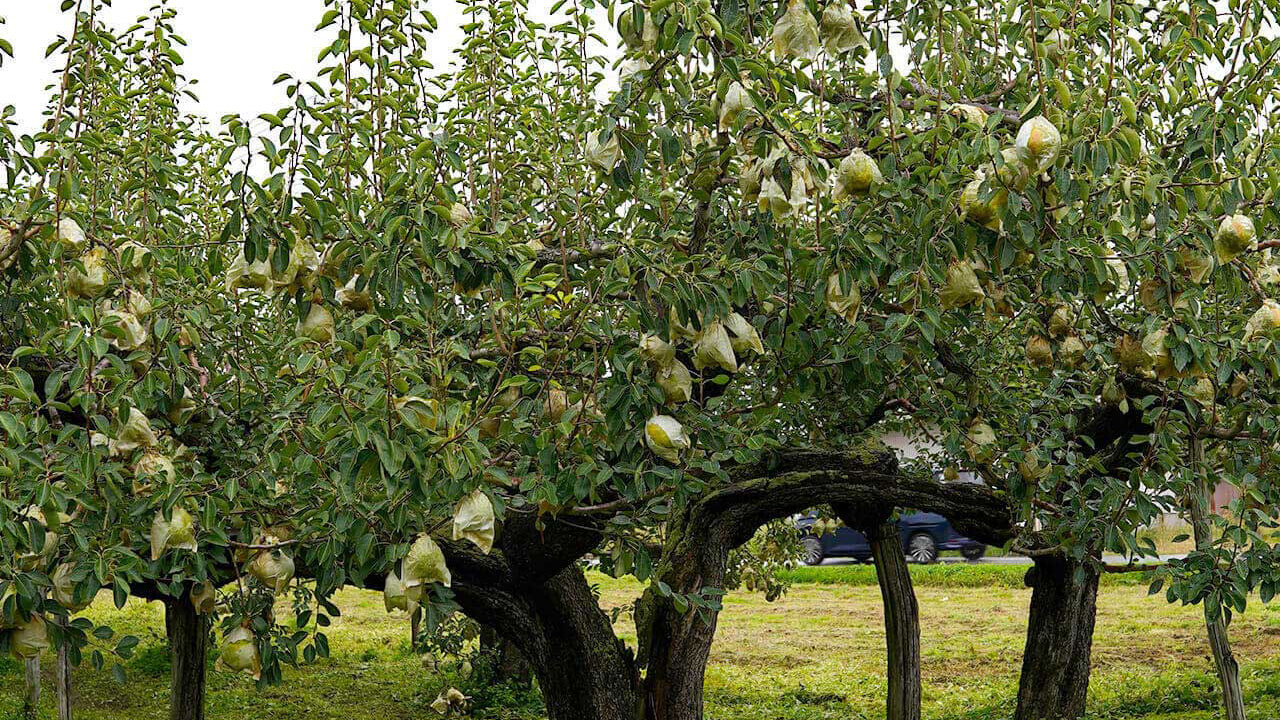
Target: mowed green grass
(816, 654)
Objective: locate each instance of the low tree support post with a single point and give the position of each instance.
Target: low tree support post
(31, 702)
(1224, 660)
(62, 679)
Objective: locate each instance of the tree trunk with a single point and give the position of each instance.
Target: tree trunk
(31, 702)
(1224, 660)
(1055, 662)
(584, 670)
(506, 661)
(62, 679)
(901, 622)
(415, 627)
(188, 633)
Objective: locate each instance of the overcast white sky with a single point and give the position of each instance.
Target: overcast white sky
(236, 48)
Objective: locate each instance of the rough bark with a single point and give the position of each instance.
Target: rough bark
(530, 591)
(188, 633)
(1055, 662)
(901, 622)
(507, 663)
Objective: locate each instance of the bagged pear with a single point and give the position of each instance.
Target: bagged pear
(30, 638)
(1196, 266)
(1071, 350)
(36, 560)
(1039, 351)
(204, 597)
(773, 199)
(240, 652)
(473, 520)
(1203, 392)
(841, 301)
(152, 466)
(396, 597)
(178, 532)
(1061, 321)
(796, 32)
(70, 234)
(131, 334)
(713, 348)
(273, 568)
(666, 437)
(736, 99)
(317, 325)
(301, 270)
(425, 564)
(1116, 275)
(1263, 321)
(675, 381)
(988, 213)
(1041, 142)
(1235, 236)
(245, 275)
(88, 283)
(980, 441)
(1161, 360)
(1132, 355)
(856, 175)
(138, 304)
(743, 337)
(451, 700)
(968, 113)
(962, 287)
(419, 413)
(459, 215)
(136, 432)
(133, 259)
(605, 155)
(354, 299)
(657, 350)
(840, 28)
(64, 589)
(182, 410)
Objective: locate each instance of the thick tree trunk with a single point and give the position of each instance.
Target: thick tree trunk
(1224, 660)
(62, 680)
(188, 633)
(1055, 662)
(901, 622)
(585, 672)
(31, 701)
(507, 662)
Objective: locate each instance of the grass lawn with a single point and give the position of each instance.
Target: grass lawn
(816, 654)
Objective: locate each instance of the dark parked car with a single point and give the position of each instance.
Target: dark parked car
(924, 535)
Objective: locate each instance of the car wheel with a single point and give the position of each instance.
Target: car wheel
(811, 553)
(922, 549)
(973, 552)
